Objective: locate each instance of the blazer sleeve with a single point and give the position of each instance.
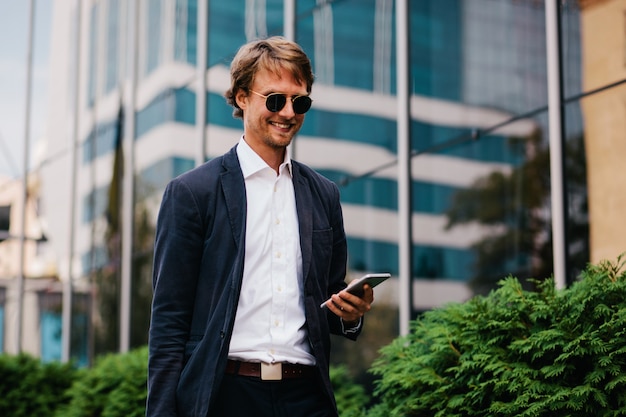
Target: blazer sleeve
(177, 254)
(338, 264)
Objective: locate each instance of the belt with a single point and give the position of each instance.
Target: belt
(269, 371)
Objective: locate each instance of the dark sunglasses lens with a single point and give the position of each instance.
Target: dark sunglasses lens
(275, 102)
(302, 104)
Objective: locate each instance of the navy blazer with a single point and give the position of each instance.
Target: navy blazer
(198, 268)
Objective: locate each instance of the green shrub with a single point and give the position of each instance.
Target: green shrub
(31, 388)
(514, 353)
(350, 396)
(114, 387)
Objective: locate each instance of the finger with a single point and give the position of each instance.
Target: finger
(342, 304)
(336, 306)
(346, 311)
(358, 303)
(368, 293)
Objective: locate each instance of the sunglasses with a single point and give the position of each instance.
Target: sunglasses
(276, 101)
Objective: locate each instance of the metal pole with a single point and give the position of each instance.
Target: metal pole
(289, 17)
(405, 223)
(289, 32)
(21, 276)
(128, 195)
(557, 197)
(68, 287)
(201, 69)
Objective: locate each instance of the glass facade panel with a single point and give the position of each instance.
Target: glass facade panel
(219, 113)
(174, 105)
(479, 131)
(113, 35)
(577, 197)
(94, 259)
(435, 48)
(80, 333)
(155, 177)
(503, 63)
(93, 55)
(100, 141)
(482, 63)
(153, 30)
(95, 204)
(344, 53)
(357, 128)
(186, 32)
(51, 330)
(227, 30)
(373, 192)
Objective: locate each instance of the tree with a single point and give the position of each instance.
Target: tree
(516, 205)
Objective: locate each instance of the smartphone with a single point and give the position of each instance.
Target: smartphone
(356, 286)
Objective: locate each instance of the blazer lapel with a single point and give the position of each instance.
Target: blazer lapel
(234, 190)
(305, 216)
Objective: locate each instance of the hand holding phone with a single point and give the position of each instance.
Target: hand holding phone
(356, 286)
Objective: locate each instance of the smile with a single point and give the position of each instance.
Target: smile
(281, 125)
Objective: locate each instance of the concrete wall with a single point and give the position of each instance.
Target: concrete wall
(604, 61)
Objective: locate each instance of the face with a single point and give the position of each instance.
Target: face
(266, 132)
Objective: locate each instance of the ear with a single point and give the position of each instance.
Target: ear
(241, 98)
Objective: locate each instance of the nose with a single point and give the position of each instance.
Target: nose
(287, 111)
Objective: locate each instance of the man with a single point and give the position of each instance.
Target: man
(248, 246)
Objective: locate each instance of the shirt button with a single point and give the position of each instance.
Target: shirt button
(278, 254)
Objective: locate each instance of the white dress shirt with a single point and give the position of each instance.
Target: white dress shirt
(270, 321)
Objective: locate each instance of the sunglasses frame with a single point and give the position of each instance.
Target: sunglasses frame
(281, 100)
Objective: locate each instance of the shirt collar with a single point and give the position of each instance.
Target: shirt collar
(251, 162)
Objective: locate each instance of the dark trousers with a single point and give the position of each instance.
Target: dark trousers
(242, 396)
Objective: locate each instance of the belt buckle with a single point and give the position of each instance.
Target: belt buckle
(271, 371)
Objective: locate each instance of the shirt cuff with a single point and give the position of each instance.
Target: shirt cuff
(352, 329)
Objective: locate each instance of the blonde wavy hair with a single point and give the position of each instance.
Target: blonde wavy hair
(272, 54)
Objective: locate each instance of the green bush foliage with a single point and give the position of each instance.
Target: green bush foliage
(114, 387)
(29, 388)
(514, 353)
(511, 353)
(350, 396)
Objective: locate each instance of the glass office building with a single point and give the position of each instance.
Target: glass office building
(467, 152)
